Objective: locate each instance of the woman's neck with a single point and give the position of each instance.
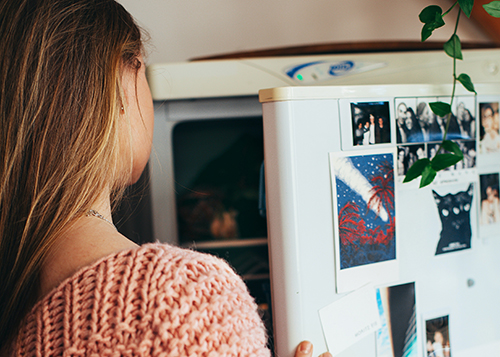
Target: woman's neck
(87, 240)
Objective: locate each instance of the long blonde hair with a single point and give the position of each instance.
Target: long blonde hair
(60, 97)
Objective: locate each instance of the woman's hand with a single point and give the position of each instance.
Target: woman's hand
(305, 349)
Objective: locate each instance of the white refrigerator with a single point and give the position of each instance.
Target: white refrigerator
(361, 263)
(309, 133)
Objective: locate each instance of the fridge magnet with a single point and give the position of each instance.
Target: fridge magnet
(364, 196)
(489, 136)
(489, 208)
(397, 336)
(438, 337)
(370, 123)
(454, 211)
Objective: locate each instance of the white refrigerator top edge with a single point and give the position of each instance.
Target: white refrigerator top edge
(245, 77)
(371, 91)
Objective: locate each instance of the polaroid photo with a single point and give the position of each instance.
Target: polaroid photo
(488, 135)
(455, 208)
(489, 208)
(437, 336)
(365, 123)
(364, 214)
(397, 309)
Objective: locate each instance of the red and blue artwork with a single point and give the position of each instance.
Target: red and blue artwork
(366, 213)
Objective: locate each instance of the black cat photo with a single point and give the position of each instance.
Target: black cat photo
(454, 212)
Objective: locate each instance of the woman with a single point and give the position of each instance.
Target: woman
(76, 121)
(490, 138)
(413, 131)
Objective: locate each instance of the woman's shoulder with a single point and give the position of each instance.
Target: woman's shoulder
(154, 295)
(164, 267)
(150, 267)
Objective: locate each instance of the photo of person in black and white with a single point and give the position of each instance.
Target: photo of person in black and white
(466, 122)
(413, 130)
(432, 150)
(421, 125)
(468, 148)
(453, 128)
(370, 123)
(408, 127)
(408, 155)
(401, 135)
(426, 119)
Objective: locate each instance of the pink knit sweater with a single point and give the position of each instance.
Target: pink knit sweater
(153, 301)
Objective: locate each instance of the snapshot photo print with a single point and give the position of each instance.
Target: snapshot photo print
(370, 123)
(363, 185)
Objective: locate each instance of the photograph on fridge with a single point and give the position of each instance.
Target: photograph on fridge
(419, 131)
(364, 206)
(370, 123)
(454, 208)
(488, 131)
(416, 123)
(489, 207)
(408, 155)
(397, 309)
(489, 135)
(468, 148)
(438, 337)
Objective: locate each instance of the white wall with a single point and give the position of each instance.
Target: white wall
(183, 29)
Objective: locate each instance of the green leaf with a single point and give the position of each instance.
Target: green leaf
(427, 176)
(432, 18)
(466, 82)
(416, 169)
(453, 47)
(493, 8)
(440, 108)
(428, 15)
(438, 21)
(427, 31)
(466, 6)
(442, 161)
(452, 147)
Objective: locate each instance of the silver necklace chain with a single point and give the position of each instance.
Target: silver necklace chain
(94, 213)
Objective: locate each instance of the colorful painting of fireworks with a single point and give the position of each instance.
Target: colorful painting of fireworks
(365, 206)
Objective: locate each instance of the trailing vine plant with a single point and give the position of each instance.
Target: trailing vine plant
(448, 153)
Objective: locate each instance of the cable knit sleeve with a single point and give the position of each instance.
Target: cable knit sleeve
(153, 301)
(200, 307)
